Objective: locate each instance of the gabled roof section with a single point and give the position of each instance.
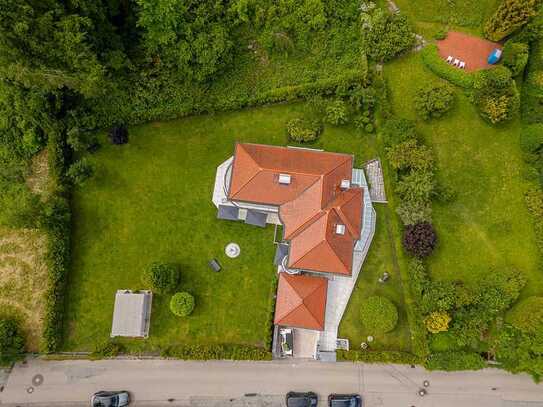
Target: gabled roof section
(301, 301)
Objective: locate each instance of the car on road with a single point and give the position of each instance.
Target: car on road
(344, 400)
(110, 399)
(308, 399)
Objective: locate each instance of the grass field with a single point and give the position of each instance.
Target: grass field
(487, 228)
(151, 200)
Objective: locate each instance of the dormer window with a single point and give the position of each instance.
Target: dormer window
(340, 229)
(345, 184)
(284, 179)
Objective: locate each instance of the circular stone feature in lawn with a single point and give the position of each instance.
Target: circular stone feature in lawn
(232, 250)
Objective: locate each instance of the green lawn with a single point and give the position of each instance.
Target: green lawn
(382, 257)
(487, 228)
(151, 200)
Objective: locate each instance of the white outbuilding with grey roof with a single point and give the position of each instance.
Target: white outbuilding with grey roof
(132, 314)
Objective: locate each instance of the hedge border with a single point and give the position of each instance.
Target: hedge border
(58, 230)
(434, 62)
(216, 352)
(375, 356)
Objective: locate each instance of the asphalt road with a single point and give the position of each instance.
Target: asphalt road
(261, 384)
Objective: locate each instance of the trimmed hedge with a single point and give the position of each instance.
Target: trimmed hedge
(432, 59)
(455, 360)
(57, 225)
(369, 356)
(216, 352)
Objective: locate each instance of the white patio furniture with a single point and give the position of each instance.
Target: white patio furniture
(462, 65)
(449, 59)
(456, 62)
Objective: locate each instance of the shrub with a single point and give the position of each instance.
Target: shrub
(419, 239)
(80, 171)
(531, 138)
(496, 95)
(437, 322)
(410, 155)
(454, 360)
(396, 131)
(509, 17)
(432, 59)
(182, 304)
(433, 100)
(527, 316)
(161, 277)
(417, 186)
(379, 314)
(118, 135)
(337, 113)
(11, 341)
(440, 35)
(106, 349)
(216, 352)
(303, 130)
(386, 35)
(369, 128)
(515, 56)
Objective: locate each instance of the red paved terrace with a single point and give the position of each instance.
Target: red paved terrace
(321, 219)
(474, 51)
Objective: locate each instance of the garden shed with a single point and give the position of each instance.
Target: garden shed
(132, 314)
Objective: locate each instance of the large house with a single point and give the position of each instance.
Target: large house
(323, 206)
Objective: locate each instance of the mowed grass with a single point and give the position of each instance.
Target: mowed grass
(466, 13)
(382, 257)
(487, 227)
(150, 200)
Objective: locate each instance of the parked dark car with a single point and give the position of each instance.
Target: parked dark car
(344, 400)
(110, 399)
(309, 399)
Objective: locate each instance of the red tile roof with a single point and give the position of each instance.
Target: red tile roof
(301, 301)
(310, 207)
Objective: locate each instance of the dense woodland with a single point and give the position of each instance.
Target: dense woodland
(71, 68)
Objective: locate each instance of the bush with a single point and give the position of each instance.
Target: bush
(396, 131)
(419, 239)
(410, 155)
(11, 342)
(417, 186)
(182, 304)
(379, 315)
(440, 35)
(509, 17)
(437, 322)
(527, 316)
(531, 138)
(375, 356)
(433, 100)
(118, 135)
(106, 349)
(454, 360)
(496, 95)
(161, 277)
(386, 35)
(368, 128)
(515, 56)
(80, 171)
(216, 352)
(303, 130)
(432, 59)
(337, 113)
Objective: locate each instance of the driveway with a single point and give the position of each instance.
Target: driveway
(261, 384)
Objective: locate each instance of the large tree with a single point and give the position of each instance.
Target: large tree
(191, 36)
(509, 17)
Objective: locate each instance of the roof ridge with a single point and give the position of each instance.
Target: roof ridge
(308, 223)
(314, 292)
(253, 160)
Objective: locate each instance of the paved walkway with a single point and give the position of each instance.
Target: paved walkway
(259, 384)
(376, 181)
(474, 51)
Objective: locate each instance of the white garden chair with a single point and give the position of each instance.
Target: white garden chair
(449, 59)
(456, 62)
(462, 65)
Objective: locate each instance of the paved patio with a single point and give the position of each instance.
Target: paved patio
(376, 182)
(474, 51)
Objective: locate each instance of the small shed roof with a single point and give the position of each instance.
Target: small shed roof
(132, 314)
(280, 253)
